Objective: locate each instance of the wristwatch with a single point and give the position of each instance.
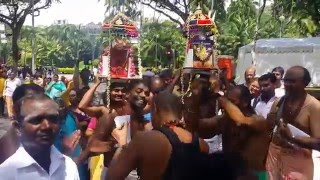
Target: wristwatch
(219, 94)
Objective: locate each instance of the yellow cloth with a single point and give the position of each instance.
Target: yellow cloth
(2, 81)
(27, 82)
(65, 95)
(9, 104)
(96, 167)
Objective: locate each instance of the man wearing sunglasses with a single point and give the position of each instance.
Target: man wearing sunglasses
(298, 129)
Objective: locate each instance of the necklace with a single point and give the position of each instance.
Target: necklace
(290, 113)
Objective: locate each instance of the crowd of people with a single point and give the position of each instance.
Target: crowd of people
(206, 127)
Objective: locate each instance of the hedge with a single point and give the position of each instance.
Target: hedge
(66, 70)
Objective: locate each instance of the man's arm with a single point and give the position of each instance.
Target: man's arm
(85, 101)
(237, 116)
(209, 127)
(99, 142)
(126, 161)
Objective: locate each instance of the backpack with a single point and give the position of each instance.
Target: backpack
(188, 163)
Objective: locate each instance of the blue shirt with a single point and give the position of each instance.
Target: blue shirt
(147, 117)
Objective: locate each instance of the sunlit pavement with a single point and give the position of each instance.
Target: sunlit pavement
(3, 126)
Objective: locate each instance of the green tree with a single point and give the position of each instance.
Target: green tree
(155, 38)
(300, 16)
(239, 28)
(60, 46)
(14, 13)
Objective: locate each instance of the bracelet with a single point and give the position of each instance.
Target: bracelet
(123, 146)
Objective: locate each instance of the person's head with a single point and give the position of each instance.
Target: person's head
(296, 79)
(137, 95)
(12, 75)
(85, 76)
(117, 93)
(24, 90)
(62, 107)
(2, 73)
(38, 121)
(241, 97)
(74, 100)
(267, 83)
(37, 75)
(63, 79)
(157, 85)
(166, 75)
(249, 74)
(200, 82)
(254, 87)
(166, 109)
(278, 72)
(55, 77)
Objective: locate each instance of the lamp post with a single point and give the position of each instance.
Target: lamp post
(281, 18)
(156, 58)
(33, 40)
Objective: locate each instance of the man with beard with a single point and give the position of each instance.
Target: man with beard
(38, 121)
(101, 141)
(264, 102)
(290, 154)
(240, 127)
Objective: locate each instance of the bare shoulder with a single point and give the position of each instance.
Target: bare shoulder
(313, 103)
(150, 137)
(151, 143)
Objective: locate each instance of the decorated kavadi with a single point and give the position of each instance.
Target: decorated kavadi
(200, 30)
(121, 58)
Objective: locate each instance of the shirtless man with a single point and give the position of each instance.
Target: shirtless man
(101, 141)
(291, 156)
(243, 132)
(152, 153)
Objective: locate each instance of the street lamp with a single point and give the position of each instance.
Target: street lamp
(156, 59)
(281, 18)
(33, 40)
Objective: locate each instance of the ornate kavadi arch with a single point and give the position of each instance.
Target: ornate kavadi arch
(121, 58)
(200, 30)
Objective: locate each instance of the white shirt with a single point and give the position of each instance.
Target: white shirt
(22, 166)
(263, 108)
(95, 71)
(279, 92)
(10, 86)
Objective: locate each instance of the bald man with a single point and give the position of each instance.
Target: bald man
(249, 75)
(290, 155)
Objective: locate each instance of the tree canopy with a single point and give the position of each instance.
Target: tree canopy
(14, 13)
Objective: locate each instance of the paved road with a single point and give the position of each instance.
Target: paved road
(4, 126)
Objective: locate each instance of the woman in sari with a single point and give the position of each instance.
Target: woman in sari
(55, 88)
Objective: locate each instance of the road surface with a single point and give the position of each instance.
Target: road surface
(4, 126)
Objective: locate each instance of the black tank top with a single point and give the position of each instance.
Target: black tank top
(182, 163)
